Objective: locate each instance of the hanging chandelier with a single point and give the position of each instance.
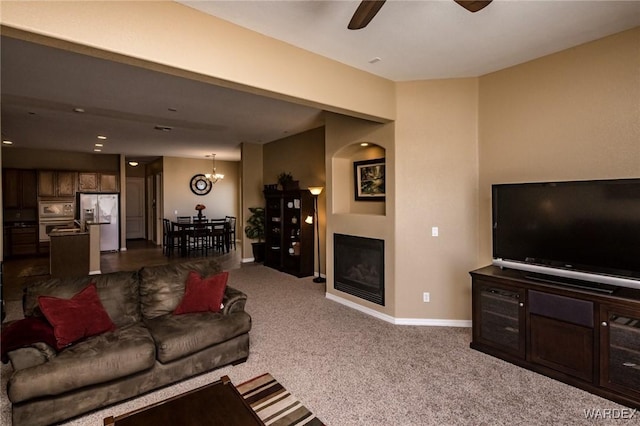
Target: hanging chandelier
(213, 177)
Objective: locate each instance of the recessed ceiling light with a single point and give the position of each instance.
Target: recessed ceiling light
(6, 142)
(364, 144)
(78, 110)
(133, 163)
(99, 145)
(163, 128)
(97, 149)
(374, 60)
(172, 109)
(102, 137)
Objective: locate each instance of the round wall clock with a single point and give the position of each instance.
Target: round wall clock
(200, 185)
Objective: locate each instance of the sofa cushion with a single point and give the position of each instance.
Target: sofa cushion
(99, 359)
(203, 294)
(77, 318)
(162, 287)
(118, 292)
(177, 336)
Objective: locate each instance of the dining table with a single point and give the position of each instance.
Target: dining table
(216, 228)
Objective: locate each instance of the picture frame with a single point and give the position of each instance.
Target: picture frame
(369, 178)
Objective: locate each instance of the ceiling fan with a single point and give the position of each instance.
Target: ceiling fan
(369, 8)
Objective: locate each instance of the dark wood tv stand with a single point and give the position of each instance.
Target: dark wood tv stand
(585, 338)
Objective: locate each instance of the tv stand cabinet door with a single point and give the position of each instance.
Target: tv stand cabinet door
(499, 317)
(561, 334)
(620, 349)
(562, 346)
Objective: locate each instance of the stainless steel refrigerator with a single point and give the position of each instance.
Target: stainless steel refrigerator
(103, 209)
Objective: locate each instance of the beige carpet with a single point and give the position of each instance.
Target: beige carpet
(351, 369)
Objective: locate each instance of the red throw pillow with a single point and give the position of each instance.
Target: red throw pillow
(74, 319)
(202, 294)
(23, 333)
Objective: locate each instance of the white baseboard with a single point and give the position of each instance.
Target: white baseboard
(247, 260)
(399, 321)
(98, 272)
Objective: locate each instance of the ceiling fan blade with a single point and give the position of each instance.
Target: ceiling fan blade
(473, 6)
(365, 13)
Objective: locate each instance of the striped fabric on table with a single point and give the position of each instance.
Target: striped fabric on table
(274, 404)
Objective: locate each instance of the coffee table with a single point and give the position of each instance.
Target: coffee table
(218, 403)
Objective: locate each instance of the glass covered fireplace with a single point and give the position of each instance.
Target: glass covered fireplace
(359, 267)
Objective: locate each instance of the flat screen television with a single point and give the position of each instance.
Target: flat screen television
(583, 230)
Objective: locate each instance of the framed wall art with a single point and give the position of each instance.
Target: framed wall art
(369, 179)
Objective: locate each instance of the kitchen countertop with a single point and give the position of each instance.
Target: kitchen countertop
(64, 232)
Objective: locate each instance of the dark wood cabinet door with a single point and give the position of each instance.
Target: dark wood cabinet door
(87, 182)
(46, 183)
(108, 183)
(11, 188)
(620, 349)
(19, 189)
(29, 188)
(66, 184)
(499, 317)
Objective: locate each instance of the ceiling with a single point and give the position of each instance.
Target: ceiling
(146, 114)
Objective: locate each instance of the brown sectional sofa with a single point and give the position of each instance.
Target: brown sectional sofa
(149, 349)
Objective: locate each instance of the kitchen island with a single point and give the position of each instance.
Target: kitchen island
(69, 253)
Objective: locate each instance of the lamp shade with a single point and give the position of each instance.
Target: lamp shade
(315, 190)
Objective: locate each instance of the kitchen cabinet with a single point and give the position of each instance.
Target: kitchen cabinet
(56, 183)
(288, 238)
(19, 189)
(97, 182)
(20, 240)
(584, 337)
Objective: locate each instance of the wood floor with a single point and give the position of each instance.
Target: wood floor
(21, 271)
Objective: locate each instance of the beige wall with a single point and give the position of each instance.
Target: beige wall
(207, 48)
(571, 115)
(220, 202)
(252, 186)
(343, 137)
(23, 158)
(302, 155)
(436, 185)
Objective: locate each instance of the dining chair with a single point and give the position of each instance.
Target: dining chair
(201, 237)
(186, 234)
(231, 230)
(169, 238)
(218, 231)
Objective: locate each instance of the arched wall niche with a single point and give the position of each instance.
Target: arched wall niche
(344, 179)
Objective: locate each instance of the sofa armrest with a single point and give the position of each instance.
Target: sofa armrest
(30, 356)
(233, 301)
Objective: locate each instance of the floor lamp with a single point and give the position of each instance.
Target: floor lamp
(315, 191)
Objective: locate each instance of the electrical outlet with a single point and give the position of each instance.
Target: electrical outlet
(425, 297)
(434, 231)
(175, 212)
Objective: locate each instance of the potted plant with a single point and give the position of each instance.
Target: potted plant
(255, 231)
(286, 181)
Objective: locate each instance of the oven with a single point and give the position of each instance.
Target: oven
(54, 214)
(47, 226)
